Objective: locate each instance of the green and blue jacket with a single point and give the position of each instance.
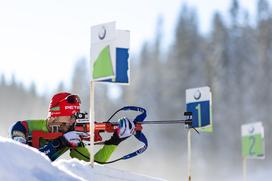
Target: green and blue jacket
(22, 131)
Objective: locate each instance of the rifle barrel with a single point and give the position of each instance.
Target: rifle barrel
(168, 122)
(187, 121)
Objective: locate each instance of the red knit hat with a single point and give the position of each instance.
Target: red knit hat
(64, 104)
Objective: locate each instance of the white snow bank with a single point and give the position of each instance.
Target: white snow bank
(21, 162)
(100, 172)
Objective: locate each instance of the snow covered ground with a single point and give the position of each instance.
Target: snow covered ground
(18, 161)
(21, 162)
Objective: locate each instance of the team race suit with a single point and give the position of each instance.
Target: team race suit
(22, 131)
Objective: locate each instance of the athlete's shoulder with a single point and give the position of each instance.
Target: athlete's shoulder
(36, 124)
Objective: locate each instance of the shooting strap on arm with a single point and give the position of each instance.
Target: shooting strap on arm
(139, 135)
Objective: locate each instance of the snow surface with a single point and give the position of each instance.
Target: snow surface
(21, 162)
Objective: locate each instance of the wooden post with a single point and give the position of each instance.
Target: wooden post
(244, 169)
(92, 120)
(189, 155)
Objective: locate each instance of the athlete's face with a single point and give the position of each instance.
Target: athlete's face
(63, 123)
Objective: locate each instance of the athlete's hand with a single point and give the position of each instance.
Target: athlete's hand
(72, 138)
(126, 128)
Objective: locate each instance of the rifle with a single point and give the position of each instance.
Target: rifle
(82, 127)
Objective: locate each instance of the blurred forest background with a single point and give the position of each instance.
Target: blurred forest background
(234, 59)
